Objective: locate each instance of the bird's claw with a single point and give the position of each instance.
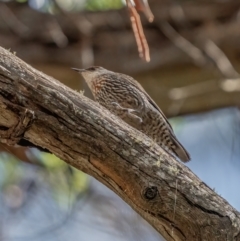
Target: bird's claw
(129, 112)
(137, 118)
(116, 105)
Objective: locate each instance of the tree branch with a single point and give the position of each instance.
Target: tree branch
(39, 109)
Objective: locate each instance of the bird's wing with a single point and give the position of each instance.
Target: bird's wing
(151, 101)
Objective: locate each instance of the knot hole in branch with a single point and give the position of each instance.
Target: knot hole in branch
(150, 192)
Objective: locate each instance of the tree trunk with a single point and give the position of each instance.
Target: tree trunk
(40, 110)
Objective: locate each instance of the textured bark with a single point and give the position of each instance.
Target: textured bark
(37, 108)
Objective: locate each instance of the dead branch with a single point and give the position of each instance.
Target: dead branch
(13, 23)
(137, 28)
(142, 5)
(41, 110)
(183, 44)
(220, 60)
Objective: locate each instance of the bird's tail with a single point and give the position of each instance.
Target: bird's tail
(180, 151)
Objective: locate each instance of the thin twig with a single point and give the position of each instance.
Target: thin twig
(182, 43)
(57, 33)
(230, 85)
(193, 90)
(142, 5)
(220, 60)
(141, 41)
(12, 21)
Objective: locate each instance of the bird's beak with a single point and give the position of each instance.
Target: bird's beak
(79, 70)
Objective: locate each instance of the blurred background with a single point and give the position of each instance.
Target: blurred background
(193, 75)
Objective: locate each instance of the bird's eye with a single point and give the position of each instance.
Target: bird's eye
(93, 68)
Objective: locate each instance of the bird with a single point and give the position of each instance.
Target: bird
(126, 98)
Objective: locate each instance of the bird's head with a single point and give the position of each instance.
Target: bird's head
(91, 74)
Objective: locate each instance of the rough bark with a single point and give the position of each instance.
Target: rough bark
(37, 108)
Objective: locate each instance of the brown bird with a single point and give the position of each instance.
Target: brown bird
(126, 98)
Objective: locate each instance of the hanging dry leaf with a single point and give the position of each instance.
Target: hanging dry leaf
(141, 41)
(142, 5)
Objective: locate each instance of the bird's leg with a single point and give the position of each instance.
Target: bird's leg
(128, 112)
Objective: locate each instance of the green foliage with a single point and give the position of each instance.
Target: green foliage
(65, 183)
(78, 5)
(96, 5)
(8, 169)
(22, 1)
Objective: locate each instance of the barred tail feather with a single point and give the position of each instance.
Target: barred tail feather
(180, 151)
